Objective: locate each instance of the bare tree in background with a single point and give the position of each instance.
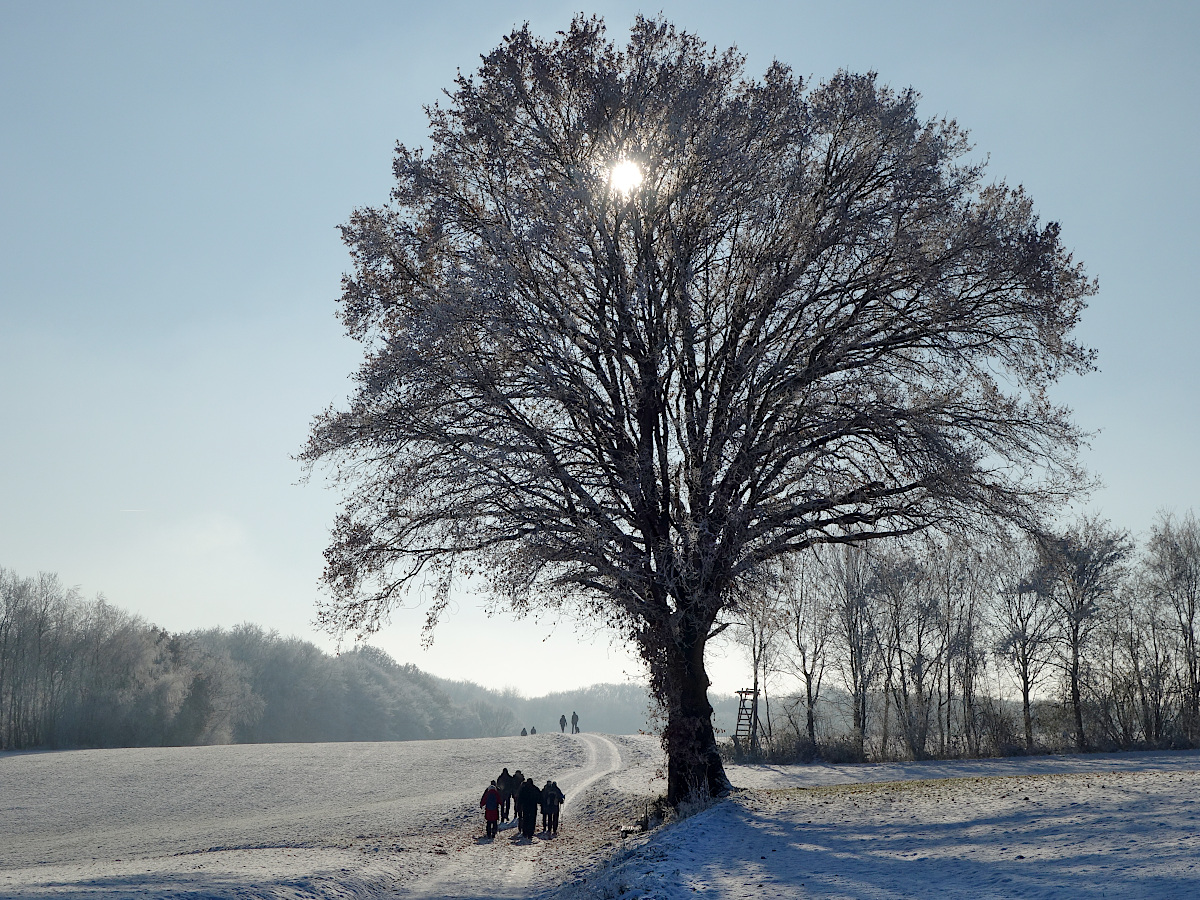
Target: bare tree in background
(755, 609)
(494, 721)
(1172, 576)
(636, 324)
(848, 573)
(912, 644)
(1080, 572)
(1025, 627)
(1152, 649)
(963, 581)
(807, 623)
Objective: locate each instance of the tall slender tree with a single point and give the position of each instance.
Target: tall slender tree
(912, 642)
(755, 608)
(636, 323)
(807, 623)
(1081, 570)
(1025, 626)
(1172, 576)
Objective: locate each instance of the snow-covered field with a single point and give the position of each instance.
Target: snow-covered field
(291, 820)
(401, 820)
(1119, 825)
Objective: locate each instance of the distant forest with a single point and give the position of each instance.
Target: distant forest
(85, 673)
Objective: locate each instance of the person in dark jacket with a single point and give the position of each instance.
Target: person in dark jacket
(562, 723)
(529, 800)
(504, 784)
(552, 800)
(524, 732)
(490, 801)
(517, 780)
(574, 722)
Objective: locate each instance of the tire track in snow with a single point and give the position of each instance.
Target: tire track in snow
(507, 868)
(603, 759)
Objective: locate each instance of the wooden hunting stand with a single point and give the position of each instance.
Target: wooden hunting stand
(745, 735)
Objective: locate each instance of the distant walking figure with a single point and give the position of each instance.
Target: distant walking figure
(528, 802)
(504, 784)
(524, 733)
(490, 801)
(562, 723)
(574, 722)
(533, 729)
(552, 799)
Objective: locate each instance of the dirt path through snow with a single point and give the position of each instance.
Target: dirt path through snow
(511, 866)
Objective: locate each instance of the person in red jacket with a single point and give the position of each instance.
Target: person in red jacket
(490, 801)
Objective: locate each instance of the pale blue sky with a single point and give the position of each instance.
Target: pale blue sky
(171, 179)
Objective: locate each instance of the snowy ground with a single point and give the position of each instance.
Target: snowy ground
(401, 820)
(1121, 825)
(293, 820)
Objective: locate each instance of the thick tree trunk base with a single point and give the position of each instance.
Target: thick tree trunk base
(694, 767)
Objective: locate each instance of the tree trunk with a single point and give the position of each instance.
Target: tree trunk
(693, 763)
(1028, 715)
(1076, 698)
(1143, 699)
(810, 718)
(755, 745)
(887, 703)
(1192, 718)
(770, 734)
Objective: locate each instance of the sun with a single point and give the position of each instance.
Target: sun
(625, 177)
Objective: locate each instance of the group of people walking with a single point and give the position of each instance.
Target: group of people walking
(562, 725)
(525, 799)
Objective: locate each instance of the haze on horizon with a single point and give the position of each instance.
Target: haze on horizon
(171, 180)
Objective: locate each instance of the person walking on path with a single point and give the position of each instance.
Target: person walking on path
(504, 784)
(552, 800)
(574, 722)
(490, 801)
(529, 800)
(516, 782)
(562, 723)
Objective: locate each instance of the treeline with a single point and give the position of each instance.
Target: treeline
(972, 646)
(936, 647)
(84, 673)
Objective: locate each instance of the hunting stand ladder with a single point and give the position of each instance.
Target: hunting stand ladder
(745, 735)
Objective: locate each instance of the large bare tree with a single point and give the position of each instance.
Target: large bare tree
(636, 323)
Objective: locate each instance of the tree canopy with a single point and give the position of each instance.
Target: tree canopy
(810, 321)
